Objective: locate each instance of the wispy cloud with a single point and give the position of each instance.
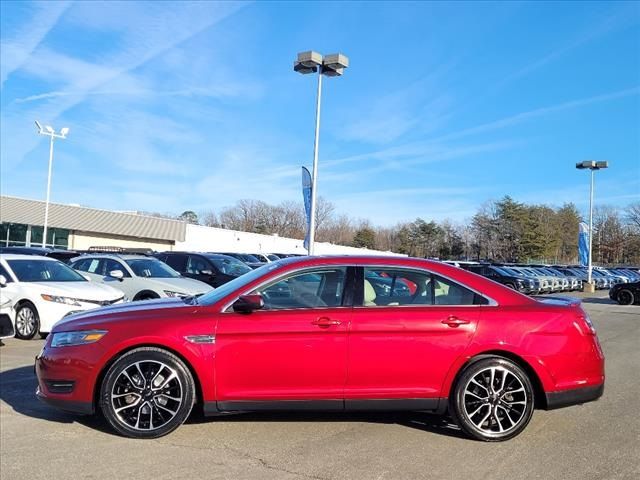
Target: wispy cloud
(539, 112)
(620, 17)
(18, 47)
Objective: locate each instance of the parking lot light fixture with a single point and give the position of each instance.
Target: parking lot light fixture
(332, 65)
(593, 166)
(50, 132)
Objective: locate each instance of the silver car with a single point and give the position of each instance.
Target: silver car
(138, 276)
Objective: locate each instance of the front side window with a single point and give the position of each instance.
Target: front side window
(109, 265)
(44, 271)
(230, 266)
(310, 289)
(197, 265)
(151, 268)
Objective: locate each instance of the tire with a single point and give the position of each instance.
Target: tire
(510, 285)
(486, 413)
(27, 321)
(145, 295)
(625, 297)
(131, 379)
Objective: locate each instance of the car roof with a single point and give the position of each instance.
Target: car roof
(122, 256)
(19, 256)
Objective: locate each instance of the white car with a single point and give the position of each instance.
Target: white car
(7, 317)
(138, 276)
(44, 290)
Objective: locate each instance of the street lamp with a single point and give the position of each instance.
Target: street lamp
(48, 131)
(593, 166)
(332, 66)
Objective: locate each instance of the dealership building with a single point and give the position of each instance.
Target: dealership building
(79, 228)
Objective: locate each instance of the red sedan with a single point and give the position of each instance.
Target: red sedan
(328, 333)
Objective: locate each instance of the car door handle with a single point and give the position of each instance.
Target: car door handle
(326, 322)
(454, 322)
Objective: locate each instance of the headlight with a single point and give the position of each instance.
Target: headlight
(170, 293)
(66, 339)
(57, 299)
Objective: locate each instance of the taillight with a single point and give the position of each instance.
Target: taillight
(584, 316)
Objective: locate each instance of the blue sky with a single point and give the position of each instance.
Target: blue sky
(176, 106)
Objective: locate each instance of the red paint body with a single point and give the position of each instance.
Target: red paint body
(391, 352)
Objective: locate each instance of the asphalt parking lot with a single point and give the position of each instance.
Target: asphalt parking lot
(593, 441)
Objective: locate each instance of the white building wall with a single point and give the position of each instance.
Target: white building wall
(208, 239)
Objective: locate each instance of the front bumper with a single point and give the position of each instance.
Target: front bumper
(71, 406)
(67, 375)
(575, 396)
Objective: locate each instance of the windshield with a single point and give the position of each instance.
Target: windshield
(273, 258)
(230, 266)
(44, 271)
(512, 271)
(236, 284)
(249, 258)
(501, 271)
(151, 268)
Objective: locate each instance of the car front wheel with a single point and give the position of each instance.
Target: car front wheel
(147, 393)
(625, 297)
(27, 321)
(493, 399)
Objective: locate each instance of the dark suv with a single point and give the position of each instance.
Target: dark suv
(211, 268)
(63, 255)
(520, 283)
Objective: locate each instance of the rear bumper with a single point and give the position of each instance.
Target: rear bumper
(575, 396)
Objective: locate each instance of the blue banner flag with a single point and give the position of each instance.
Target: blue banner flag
(583, 244)
(306, 195)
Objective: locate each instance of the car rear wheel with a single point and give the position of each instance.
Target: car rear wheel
(27, 321)
(493, 399)
(625, 297)
(147, 393)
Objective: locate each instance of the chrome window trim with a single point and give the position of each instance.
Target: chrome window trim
(492, 302)
(277, 279)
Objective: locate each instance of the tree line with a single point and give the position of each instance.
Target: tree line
(501, 230)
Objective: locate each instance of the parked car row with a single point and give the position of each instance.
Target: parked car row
(539, 279)
(40, 286)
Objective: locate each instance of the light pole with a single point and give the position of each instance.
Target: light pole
(332, 66)
(48, 131)
(593, 166)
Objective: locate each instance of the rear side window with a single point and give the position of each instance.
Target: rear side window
(89, 265)
(400, 287)
(177, 262)
(391, 287)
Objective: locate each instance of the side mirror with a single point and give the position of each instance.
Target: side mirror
(206, 272)
(3, 281)
(117, 274)
(248, 303)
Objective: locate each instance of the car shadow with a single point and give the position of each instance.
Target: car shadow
(18, 386)
(427, 422)
(599, 300)
(18, 390)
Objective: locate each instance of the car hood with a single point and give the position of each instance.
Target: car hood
(77, 290)
(181, 285)
(117, 312)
